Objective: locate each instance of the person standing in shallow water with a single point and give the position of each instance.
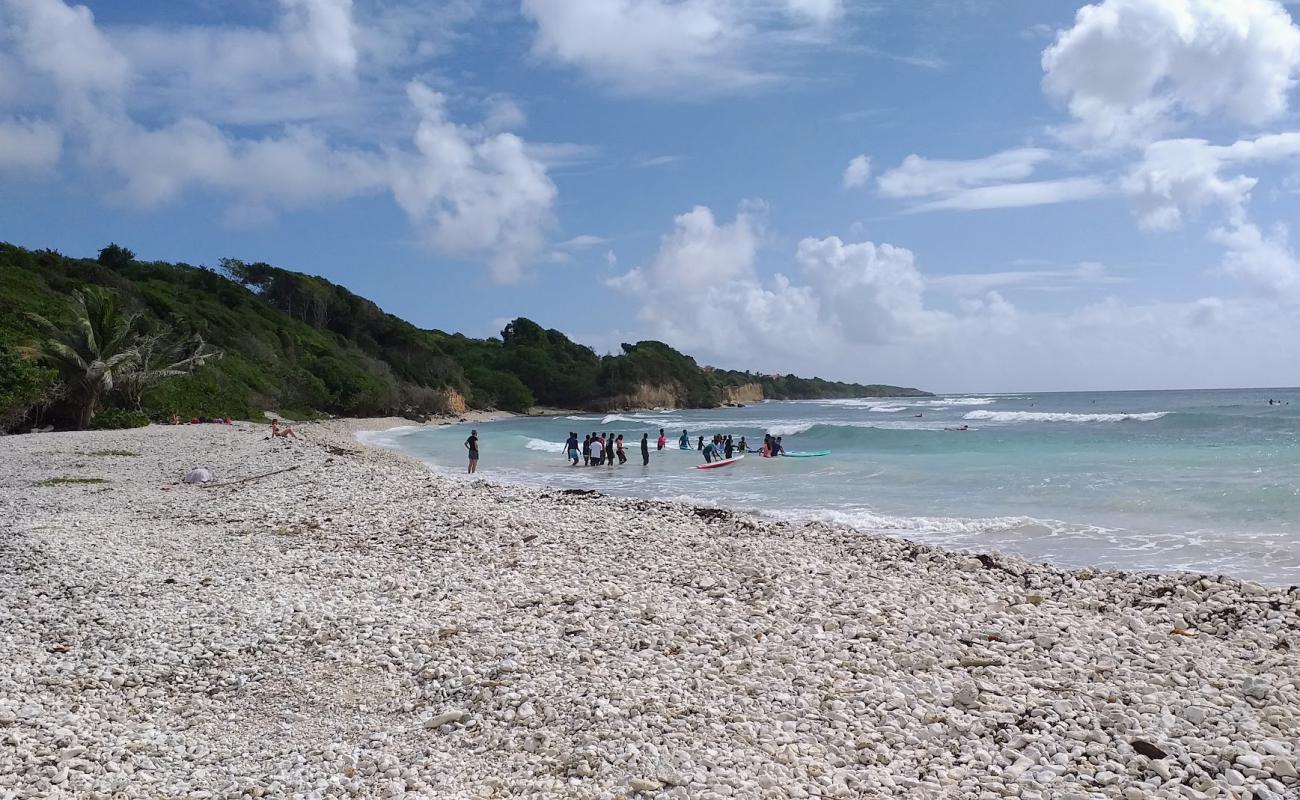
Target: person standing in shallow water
(622, 456)
(586, 451)
(663, 440)
(572, 446)
(645, 447)
(471, 444)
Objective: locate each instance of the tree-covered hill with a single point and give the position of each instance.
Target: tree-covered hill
(303, 345)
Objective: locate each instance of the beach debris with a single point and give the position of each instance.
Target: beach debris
(198, 475)
(1145, 748)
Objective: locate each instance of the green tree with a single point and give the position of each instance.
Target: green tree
(90, 352)
(115, 256)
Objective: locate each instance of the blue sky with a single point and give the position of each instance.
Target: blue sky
(965, 196)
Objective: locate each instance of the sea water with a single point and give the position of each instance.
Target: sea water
(1199, 481)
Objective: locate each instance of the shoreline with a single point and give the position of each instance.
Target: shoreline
(357, 624)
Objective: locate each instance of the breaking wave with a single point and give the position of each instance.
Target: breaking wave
(1043, 416)
(545, 446)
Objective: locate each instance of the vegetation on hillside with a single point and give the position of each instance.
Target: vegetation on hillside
(303, 346)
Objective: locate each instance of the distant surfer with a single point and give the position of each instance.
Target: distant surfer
(645, 447)
(958, 430)
(471, 444)
(663, 440)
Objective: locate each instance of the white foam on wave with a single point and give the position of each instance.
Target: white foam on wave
(887, 409)
(1047, 416)
(791, 429)
(389, 437)
(544, 446)
(618, 418)
(947, 402)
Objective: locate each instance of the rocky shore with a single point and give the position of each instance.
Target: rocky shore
(352, 625)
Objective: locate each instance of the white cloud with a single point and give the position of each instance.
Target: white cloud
(1129, 69)
(1042, 280)
(1264, 261)
(918, 176)
(473, 192)
(1178, 176)
(1019, 195)
(858, 172)
(850, 294)
(321, 33)
(676, 47)
(469, 190)
(28, 144)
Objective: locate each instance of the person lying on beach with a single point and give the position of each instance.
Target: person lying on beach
(282, 433)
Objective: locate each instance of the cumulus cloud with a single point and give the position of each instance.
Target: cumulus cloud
(1264, 260)
(692, 47)
(470, 190)
(844, 295)
(1129, 69)
(857, 173)
(1180, 176)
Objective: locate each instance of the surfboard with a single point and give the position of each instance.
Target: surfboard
(807, 454)
(726, 462)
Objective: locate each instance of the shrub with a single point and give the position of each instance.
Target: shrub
(111, 419)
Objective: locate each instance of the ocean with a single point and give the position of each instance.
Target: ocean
(1195, 481)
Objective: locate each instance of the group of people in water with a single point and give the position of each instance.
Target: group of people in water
(606, 449)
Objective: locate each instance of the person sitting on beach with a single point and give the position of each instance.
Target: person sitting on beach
(471, 444)
(572, 447)
(663, 440)
(278, 432)
(597, 450)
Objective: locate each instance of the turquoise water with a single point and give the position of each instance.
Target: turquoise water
(1202, 481)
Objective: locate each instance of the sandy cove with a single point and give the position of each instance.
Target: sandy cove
(360, 627)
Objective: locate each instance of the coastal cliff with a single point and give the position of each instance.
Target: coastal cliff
(745, 393)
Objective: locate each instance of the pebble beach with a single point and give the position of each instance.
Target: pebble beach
(351, 624)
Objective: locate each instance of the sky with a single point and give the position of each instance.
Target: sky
(959, 195)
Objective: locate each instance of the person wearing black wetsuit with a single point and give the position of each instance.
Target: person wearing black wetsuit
(645, 448)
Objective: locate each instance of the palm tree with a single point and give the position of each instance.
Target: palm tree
(89, 353)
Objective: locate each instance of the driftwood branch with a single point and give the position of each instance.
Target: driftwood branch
(253, 478)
